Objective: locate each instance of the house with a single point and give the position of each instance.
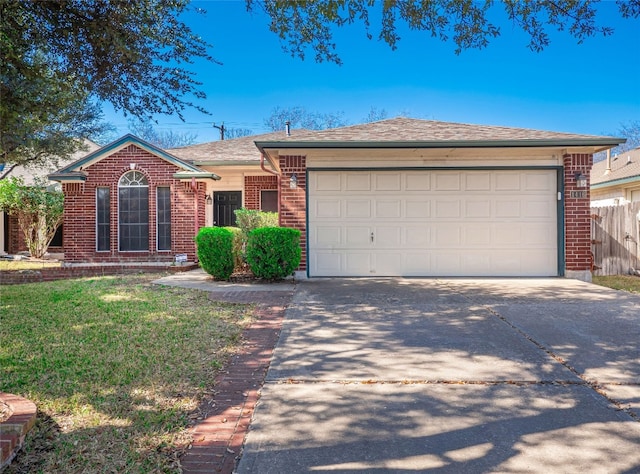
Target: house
(616, 180)
(399, 197)
(11, 238)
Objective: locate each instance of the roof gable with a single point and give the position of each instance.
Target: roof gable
(74, 171)
(118, 145)
(625, 167)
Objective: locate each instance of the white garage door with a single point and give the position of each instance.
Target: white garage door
(433, 223)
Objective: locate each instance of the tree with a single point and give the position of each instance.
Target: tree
(303, 25)
(163, 139)
(300, 117)
(39, 211)
(375, 114)
(42, 117)
(60, 59)
(232, 132)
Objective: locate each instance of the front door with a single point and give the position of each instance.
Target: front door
(224, 205)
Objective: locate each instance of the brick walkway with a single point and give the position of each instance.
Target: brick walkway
(218, 438)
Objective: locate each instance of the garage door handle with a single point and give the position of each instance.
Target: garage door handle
(372, 237)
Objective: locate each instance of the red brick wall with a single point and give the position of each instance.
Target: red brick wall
(577, 214)
(80, 209)
(293, 202)
(252, 187)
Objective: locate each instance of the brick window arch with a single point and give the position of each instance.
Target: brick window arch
(133, 212)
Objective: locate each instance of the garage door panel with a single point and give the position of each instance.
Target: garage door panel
(358, 208)
(447, 209)
(417, 208)
(328, 182)
(388, 209)
(477, 209)
(447, 181)
(387, 182)
(418, 181)
(326, 208)
(357, 237)
(357, 182)
(477, 181)
(433, 223)
(507, 181)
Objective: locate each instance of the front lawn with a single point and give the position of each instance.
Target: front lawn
(115, 366)
(619, 282)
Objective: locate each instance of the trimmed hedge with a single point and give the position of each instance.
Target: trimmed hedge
(215, 251)
(273, 252)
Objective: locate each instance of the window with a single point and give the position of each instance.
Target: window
(163, 206)
(269, 201)
(103, 219)
(133, 212)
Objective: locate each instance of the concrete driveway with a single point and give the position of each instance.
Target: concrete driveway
(413, 375)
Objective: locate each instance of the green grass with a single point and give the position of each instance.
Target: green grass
(619, 282)
(115, 366)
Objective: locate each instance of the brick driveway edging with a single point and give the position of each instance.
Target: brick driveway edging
(226, 413)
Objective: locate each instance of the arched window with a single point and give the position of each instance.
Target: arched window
(133, 212)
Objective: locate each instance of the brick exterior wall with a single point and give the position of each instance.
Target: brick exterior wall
(187, 213)
(293, 202)
(577, 214)
(253, 185)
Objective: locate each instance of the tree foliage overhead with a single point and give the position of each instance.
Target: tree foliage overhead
(129, 54)
(60, 59)
(309, 25)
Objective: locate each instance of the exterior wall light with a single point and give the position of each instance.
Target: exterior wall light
(293, 181)
(581, 180)
(208, 199)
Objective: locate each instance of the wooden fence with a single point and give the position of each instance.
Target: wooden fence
(615, 237)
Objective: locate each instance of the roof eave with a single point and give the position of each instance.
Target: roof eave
(616, 182)
(67, 177)
(599, 144)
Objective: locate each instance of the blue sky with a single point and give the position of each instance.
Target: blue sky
(588, 88)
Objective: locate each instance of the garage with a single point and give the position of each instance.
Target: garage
(433, 222)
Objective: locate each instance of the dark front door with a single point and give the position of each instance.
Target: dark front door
(224, 203)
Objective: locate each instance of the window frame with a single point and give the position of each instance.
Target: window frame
(140, 181)
(167, 223)
(108, 220)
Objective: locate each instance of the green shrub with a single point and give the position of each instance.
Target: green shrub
(237, 248)
(249, 219)
(215, 251)
(273, 252)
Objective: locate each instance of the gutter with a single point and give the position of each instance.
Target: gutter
(604, 142)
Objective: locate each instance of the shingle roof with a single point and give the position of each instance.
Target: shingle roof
(235, 149)
(414, 130)
(625, 165)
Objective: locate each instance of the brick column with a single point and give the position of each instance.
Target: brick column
(293, 202)
(577, 217)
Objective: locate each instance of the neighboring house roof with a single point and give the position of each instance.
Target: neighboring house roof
(74, 171)
(406, 132)
(625, 168)
(30, 173)
(233, 151)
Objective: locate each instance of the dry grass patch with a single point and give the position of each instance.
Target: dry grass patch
(115, 366)
(628, 283)
(28, 264)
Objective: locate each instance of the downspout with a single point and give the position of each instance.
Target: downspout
(263, 168)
